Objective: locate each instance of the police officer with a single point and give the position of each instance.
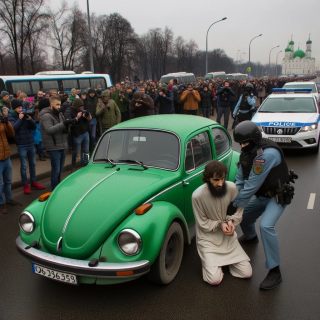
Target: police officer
(245, 106)
(261, 180)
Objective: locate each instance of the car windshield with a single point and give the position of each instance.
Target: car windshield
(301, 86)
(149, 148)
(289, 105)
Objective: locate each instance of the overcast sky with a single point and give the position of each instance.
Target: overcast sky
(277, 20)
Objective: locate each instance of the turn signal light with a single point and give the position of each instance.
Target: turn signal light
(143, 209)
(44, 196)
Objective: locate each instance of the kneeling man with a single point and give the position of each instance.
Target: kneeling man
(217, 242)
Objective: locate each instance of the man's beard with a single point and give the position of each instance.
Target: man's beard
(217, 192)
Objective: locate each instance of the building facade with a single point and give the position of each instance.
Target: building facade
(298, 62)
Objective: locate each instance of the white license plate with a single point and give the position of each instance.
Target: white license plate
(54, 274)
(281, 139)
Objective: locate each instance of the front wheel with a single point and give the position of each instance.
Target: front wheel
(167, 265)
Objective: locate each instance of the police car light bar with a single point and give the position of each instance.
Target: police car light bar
(290, 90)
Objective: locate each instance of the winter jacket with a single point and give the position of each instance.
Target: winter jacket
(23, 128)
(6, 131)
(53, 130)
(108, 114)
(190, 99)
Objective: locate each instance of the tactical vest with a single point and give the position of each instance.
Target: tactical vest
(244, 105)
(276, 177)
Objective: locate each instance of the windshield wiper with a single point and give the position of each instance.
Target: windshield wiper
(107, 160)
(134, 161)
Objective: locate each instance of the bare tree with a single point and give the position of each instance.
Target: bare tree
(69, 31)
(113, 44)
(20, 20)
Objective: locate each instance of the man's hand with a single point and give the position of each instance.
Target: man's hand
(228, 228)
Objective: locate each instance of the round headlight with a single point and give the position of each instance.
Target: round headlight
(129, 242)
(26, 222)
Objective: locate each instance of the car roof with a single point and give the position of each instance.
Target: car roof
(299, 82)
(182, 125)
(291, 95)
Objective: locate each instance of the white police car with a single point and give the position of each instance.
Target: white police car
(291, 118)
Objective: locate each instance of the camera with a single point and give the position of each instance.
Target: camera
(86, 113)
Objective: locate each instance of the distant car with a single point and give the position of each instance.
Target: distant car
(290, 118)
(304, 85)
(128, 212)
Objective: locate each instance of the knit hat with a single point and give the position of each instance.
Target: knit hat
(15, 103)
(43, 103)
(77, 103)
(4, 93)
(91, 90)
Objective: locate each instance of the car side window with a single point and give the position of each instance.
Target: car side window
(198, 151)
(221, 141)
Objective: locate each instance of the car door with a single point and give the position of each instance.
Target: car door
(198, 152)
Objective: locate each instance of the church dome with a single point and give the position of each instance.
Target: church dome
(299, 54)
(309, 42)
(291, 43)
(287, 50)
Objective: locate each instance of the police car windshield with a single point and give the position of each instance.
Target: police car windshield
(289, 105)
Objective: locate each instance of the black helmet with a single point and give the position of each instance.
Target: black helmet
(247, 131)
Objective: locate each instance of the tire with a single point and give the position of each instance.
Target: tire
(168, 263)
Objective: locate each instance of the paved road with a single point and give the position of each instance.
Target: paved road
(26, 296)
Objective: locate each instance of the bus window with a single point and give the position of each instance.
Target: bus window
(49, 84)
(35, 86)
(84, 84)
(23, 86)
(98, 83)
(69, 84)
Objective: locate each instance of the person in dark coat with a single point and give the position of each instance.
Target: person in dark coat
(164, 100)
(24, 125)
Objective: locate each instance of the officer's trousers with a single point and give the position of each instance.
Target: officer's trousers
(270, 212)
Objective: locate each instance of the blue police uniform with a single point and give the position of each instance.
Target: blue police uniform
(260, 206)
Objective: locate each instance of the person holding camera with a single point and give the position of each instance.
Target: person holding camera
(225, 99)
(164, 100)
(54, 129)
(141, 104)
(79, 131)
(24, 126)
(107, 111)
(190, 99)
(262, 181)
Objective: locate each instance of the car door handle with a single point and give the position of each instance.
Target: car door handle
(185, 183)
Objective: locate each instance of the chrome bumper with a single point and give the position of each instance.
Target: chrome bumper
(81, 268)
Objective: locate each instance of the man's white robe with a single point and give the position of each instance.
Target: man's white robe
(215, 248)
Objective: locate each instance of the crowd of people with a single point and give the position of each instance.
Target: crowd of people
(52, 122)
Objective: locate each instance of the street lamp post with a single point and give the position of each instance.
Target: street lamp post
(259, 35)
(207, 41)
(270, 57)
(90, 39)
(277, 62)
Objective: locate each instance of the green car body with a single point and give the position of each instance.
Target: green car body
(90, 228)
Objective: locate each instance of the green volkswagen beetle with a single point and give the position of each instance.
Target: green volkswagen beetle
(128, 212)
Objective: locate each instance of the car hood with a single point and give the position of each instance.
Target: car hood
(285, 119)
(87, 206)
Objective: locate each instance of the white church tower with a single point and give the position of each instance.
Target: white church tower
(298, 62)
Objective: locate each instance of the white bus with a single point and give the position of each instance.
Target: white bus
(33, 83)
